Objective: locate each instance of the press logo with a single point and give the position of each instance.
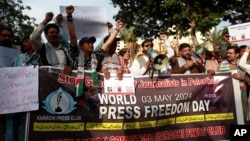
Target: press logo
(239, 132)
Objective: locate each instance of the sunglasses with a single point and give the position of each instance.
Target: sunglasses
(126, 51)
(148, 45)
(227, 36)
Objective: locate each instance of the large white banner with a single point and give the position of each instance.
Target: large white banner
(88, 21)
(18, 89)
(239, 32)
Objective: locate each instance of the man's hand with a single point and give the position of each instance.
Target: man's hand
(198, 61)
(189, 64)
(211, 72)
(109, 25)
(49, 16)
(69, 10)
(238, 76)
(147, 64)
(59, 19)
(67, 70)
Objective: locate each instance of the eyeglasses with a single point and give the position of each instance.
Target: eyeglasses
(227, 36)
(127, 51)
(148, 45)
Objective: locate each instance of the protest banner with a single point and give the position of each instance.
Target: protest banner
(18, 89)
(182, 107)
(88, 20)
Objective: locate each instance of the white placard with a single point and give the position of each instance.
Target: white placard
(88, 21)
(18, 89)
(114, 86)
(239, 32)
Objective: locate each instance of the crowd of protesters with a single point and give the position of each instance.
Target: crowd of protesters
(73, 55)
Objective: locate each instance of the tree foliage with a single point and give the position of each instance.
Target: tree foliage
(238, 12)
(11, 15)
(186, 17)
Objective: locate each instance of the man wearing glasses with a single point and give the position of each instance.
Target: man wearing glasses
(224, 44)
(231, 63)
(141, 65)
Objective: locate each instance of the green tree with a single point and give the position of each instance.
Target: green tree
(128, 36)
(11, 15)
(182, 17)
(238, 12)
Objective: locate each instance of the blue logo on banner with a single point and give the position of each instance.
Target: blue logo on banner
(59, 102)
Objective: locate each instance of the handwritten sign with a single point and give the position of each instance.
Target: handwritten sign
(18, 89)
(7, 56)
(239, 32)
(88, 21)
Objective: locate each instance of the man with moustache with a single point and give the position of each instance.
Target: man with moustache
(52, 52)
(186, 63)
(7, 37)
(231, 63)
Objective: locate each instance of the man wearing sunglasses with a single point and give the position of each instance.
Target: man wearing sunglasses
(224, 44)
(141, 65)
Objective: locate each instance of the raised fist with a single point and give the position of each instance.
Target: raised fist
(49, 16)
(69, 10)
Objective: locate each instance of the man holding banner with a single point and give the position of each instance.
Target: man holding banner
(8, 52)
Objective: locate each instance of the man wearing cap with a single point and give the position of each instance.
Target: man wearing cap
(87, 58)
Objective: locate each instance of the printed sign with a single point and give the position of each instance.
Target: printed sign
(180, 107)
(239, 32)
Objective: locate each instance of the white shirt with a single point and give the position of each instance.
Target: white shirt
(243, 63)
(61, 57)
(135, 67)
(170, 50)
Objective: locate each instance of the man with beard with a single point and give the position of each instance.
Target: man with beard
(186, 63)
(142, 64)
(6, 37)
(51, 53)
